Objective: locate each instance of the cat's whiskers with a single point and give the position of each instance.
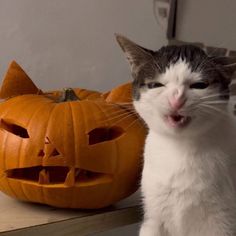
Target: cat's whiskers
(122, 119)
(113, 103)
(212, 112)
(132, 123)
(202, 111)
(216, 102)
(213, 95)
(189, 109)
(215, 109)
(114, 111)
(119, 116)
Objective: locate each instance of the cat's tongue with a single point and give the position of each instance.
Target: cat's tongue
(177, 120)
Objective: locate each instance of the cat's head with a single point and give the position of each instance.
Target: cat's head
(179, 89)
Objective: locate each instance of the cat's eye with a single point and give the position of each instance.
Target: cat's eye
(199, 85)
(154, 85)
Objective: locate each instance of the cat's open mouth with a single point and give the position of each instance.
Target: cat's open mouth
(177, 120)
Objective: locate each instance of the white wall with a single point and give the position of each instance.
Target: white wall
(70, 43)
(209, 21)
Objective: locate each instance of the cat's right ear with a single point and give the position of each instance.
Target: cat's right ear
(136, 55)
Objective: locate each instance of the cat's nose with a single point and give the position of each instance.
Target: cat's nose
(177, 103)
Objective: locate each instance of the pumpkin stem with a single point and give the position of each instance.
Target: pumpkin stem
(68, 94)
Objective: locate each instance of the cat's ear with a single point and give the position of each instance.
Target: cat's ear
(229, 64)
(135, 54)
(16, 82)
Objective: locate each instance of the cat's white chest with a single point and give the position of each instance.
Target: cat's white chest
(172, 164)
(178, 182)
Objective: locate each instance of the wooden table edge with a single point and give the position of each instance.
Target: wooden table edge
(85, 225)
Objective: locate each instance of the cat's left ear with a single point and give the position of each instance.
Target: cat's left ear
(229, 64)
(136, 55)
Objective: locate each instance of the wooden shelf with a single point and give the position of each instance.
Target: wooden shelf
(22, 219)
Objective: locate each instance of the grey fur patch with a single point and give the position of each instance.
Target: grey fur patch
(146, 64)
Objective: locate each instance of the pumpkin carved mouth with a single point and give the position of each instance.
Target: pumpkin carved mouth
(51, 175)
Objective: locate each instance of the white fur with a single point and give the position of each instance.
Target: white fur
(187, 181)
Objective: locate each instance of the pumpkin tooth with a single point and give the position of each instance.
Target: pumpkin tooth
(44, 177)
(70, 177)
(77, 172)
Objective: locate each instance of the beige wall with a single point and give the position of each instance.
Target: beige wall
(70, 43)
(208, 21)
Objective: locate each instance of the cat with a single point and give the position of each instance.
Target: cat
(187, 184)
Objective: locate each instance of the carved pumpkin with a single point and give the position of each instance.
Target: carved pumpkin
(75, 149)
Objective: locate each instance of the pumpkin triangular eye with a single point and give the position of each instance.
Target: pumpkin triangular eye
(16, 82)
(14, 128)
(54, 153)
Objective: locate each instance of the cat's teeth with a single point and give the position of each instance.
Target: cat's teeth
(44, 177)
(177, 120)
(183, 119)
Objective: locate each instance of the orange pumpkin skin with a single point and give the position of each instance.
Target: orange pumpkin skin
(74, 154)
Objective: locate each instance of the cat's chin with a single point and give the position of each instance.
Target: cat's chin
(177, 120)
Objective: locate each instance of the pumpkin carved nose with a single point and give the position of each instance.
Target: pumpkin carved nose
(49, 150)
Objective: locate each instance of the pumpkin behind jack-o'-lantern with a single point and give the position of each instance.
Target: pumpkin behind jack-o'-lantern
(76, 149)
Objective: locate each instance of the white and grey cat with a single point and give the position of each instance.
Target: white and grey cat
(187, 184)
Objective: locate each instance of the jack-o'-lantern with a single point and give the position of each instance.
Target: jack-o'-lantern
(75, 149)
